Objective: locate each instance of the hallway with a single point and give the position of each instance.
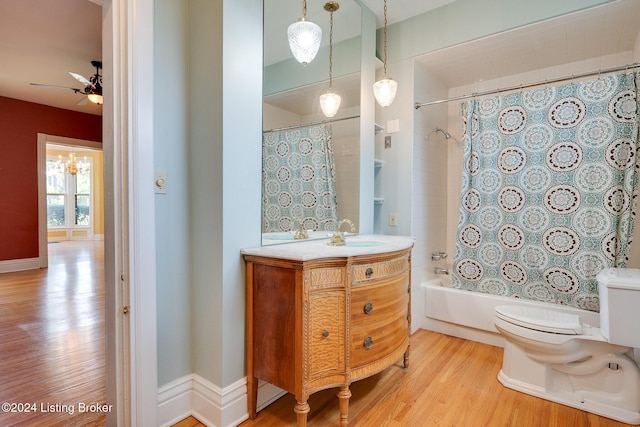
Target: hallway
(52, 329)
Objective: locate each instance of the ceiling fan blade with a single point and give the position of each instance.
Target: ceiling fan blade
(59, 87)
(82, 79)
(83, 101)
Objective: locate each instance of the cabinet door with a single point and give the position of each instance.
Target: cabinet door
(326, 328)
(379, 323)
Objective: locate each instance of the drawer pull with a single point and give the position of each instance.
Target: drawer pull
(369, 272)
(368, 308)
(368, 342)
(325, 334)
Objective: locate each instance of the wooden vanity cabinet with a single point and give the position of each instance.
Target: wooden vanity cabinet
(325, 322)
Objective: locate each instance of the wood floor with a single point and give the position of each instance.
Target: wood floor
(451, 383)
(52, 339)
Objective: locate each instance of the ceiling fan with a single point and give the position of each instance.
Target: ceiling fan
(92, 86)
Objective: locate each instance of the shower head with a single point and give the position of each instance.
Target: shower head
(446, 134)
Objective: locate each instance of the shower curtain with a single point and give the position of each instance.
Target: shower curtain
(298, 180)
(549, 190)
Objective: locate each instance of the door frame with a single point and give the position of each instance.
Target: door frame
(43, 140)
(130, 272)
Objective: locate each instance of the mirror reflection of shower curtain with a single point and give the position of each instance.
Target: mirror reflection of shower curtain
(298, 180)
(549, 190)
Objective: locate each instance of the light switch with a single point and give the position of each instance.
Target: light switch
(160, 182)
(393, 126)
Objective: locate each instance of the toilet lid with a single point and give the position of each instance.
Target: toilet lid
(540, 319)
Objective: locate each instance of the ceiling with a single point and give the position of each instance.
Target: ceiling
(42, 40)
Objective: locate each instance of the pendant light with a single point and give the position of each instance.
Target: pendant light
(330, 101)
(304, 38)
(385, 89)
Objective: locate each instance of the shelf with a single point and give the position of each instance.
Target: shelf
(378, 200)
(377, 128)
(378, 163)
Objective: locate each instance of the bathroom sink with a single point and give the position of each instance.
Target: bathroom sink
(363, 243)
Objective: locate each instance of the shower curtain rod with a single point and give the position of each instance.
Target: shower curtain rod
(310, 124)
(524, 86)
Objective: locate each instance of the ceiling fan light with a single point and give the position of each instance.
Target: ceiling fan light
(304, 40)
(385, 91)
(330, 103)
(95, 98)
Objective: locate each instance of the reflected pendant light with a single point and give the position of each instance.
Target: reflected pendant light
(385, 89)
(330, 101)
(304, 38)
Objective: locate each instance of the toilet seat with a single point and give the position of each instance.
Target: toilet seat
(540, 319)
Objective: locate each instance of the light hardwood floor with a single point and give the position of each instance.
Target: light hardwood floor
(451, 383)
(52, 339)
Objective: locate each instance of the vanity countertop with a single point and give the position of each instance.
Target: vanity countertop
(367, 244)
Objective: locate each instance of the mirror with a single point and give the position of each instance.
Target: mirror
(311, 166)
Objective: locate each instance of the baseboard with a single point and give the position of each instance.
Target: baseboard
(11, 265)
(211, 405)
(98, 237)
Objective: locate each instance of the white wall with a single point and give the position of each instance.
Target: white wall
(430, 192)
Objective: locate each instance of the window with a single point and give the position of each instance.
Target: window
(68, 196)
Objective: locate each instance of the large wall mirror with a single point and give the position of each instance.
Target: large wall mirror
(312, 166)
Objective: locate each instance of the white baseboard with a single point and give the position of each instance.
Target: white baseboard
(11, 265)
(98, 237)
(211, 405)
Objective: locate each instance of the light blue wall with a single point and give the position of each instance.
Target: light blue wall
(208, 124)
(172, 209)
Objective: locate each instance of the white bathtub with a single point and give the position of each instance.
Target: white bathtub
(469, 315)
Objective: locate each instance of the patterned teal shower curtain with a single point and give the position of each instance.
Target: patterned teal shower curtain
(549, 190)
(299, 180)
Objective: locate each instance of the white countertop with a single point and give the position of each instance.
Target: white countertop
(367, 244)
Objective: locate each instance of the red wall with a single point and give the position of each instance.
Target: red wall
(20, 123)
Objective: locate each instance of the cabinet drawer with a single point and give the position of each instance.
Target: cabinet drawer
(362, 273)
(379, 323)
(326, 326)
(329, 277)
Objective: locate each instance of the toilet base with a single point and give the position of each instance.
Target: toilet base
(602, 391)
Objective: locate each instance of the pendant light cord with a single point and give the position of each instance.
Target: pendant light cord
(304, 9)
(331, 51)
(385, 38)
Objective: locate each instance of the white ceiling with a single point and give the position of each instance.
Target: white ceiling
(593, 33)
(42, 40)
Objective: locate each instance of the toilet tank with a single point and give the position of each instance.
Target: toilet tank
(619, 290)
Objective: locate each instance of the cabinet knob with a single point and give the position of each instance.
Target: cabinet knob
(325, 334)
(368, 342)
(369, 272)
(368, 308)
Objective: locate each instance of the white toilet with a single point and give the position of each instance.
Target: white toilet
(553, 355)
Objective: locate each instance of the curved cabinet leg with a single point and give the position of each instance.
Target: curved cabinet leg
(406, 358)
(343, 395)
(301, 409)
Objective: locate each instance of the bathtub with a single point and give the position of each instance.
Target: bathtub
(469, 315)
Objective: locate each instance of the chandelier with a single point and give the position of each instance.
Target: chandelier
(73, 166)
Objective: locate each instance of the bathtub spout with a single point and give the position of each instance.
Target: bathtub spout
(439, 270)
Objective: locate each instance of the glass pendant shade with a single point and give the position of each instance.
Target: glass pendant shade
(385, 91)
(95, 98)
(304, 40)
(330, 103)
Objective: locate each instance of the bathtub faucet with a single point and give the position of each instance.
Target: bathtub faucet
(437, 256)
(439, 270)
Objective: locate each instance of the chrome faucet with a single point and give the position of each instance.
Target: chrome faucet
(338, 237)
(301, 233)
